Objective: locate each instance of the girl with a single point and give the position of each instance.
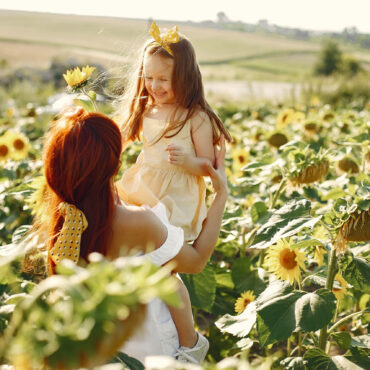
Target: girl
(167, 106)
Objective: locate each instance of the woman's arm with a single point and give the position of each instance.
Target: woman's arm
(192, 259)
(202, 137)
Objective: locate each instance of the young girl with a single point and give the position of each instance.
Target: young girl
(179, 131)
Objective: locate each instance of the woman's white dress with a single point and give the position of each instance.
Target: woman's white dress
(158, 334)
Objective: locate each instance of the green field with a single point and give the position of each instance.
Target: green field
(33, 39)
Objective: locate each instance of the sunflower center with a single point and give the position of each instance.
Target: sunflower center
(287, 259)
(3, 150)
(246, 302)
(18, 144)
(241, 159)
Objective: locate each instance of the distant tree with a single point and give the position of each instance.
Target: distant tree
(350, 66)
(301, 34)
(365, 41)
(350, 34)
(330, 59)
(222, 18)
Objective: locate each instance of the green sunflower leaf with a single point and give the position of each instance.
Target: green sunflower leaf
(362, 341)
(293, 363)
(257, 211)
(343, 339)
(286, 221)
(315, 310)
(201, 287)
(356, 271)
(239, 325)
(255, 280)
(317, 359)
(276, 312)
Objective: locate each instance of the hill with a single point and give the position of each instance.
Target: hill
(33, 39)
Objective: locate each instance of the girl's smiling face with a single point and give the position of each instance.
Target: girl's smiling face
(158, 78)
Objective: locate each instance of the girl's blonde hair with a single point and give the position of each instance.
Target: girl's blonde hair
(187, 86)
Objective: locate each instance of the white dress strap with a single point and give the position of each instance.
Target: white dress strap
(173, 243)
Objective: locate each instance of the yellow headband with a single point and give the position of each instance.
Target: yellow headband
(68, 242)
(170, 37)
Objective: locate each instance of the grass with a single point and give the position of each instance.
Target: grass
(33, 39)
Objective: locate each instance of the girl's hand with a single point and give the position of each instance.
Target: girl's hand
(176, 155)
(218, 175)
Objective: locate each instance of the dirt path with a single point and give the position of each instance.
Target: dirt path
(252, 90)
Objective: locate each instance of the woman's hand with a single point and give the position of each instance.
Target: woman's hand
(218, 175)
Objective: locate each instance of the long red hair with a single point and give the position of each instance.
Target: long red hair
(81, 156)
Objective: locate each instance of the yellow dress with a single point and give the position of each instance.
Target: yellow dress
(153, 179)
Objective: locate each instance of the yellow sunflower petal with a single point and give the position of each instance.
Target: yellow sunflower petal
(4, 149)
(243, 301)
(343, 291)
(18, 144)
(77, 77)
(284, 261)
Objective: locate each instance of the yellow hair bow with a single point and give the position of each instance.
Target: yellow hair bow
(68, 242)
(170, 37)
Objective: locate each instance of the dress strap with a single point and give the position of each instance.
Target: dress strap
(174, 241)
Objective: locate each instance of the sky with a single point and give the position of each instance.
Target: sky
(321, 15)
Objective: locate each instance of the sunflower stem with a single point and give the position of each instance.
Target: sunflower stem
(261, 257)
(244, 244)
(341, 321)
(299, 344)
(91, 99)
(288, 347)
(332, 269)
(278, 192)
(273, 202)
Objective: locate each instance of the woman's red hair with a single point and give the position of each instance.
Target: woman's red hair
(81, 156)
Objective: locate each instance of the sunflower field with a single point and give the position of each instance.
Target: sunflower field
(288, 286)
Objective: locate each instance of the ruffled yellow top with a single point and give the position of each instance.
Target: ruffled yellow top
(153, 179)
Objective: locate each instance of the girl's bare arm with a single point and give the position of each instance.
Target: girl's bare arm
(202, 137)
(192, 259)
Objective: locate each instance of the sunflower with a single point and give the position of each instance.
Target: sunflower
(284, 261)
(299, 117)
(243, 301)
(321, 234)
(328, 116)
(35, 201)
(348, 165)
(77, 78)
(4, 149)
(240, 159)
(277, 139)
(311, 128)
(342, 291)
(255, 115)
(248, 201)
(285, 118)
(319, 254)
(315, 101)
(18, 143)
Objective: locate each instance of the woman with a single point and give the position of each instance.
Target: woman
(81, 157)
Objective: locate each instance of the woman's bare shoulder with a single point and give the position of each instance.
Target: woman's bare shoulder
(138, 227)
